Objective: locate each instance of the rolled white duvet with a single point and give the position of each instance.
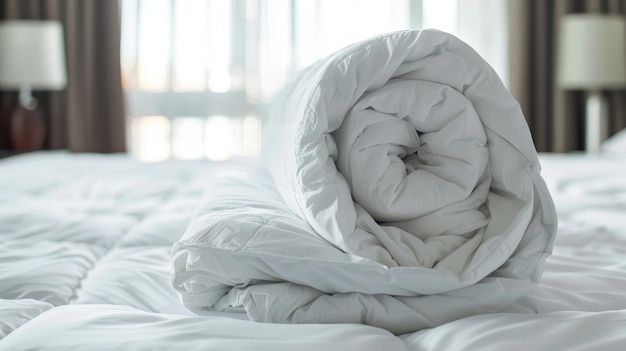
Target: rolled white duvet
(411, 196)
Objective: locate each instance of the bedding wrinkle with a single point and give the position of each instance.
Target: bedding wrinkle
(372, 189)
(82, 293)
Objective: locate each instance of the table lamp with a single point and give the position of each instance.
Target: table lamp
(32, 57)
(592, 57)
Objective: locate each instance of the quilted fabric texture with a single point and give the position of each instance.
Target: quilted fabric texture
(85, 229)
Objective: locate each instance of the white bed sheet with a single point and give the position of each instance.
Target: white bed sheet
(84, 264)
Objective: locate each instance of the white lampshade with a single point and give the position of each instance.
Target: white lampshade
(32, 54)
(592, 52)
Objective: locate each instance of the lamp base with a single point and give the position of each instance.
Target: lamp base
(596, 121)
(28, 129)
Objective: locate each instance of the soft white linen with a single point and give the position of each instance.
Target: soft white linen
(84, 262)
(405, 116)
(587, 271)
(571, 331)
(616, 144)
(15, 313)
(90, 229)
(106, 327)
(578, 304)
(413, 197)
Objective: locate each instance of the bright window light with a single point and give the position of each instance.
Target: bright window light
(222, 138)
(190, 59)
(188, 138)
(251, 136)
(219, 44)
(198, 73)
(150, 138)
(153, 46)
(440, 14)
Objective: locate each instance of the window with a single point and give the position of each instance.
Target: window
(197, 73)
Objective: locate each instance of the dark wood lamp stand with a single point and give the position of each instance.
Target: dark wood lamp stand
(27, 127)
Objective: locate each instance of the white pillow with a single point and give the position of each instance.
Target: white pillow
(616, 144)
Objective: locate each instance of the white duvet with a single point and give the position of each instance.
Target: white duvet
(404, 193)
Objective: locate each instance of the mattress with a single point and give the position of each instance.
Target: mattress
(86, 241)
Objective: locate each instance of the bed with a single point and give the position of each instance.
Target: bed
(104, 252)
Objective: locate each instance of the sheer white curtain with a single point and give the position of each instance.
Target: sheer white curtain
(197, 72)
